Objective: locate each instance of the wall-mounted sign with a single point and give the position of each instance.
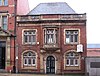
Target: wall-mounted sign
(80, 48)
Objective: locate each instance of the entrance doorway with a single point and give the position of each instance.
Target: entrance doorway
(50, 65)
(2, 54)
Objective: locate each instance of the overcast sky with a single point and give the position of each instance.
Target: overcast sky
(90, 7)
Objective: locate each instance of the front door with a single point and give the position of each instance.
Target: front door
(2, 54)
(50, 65)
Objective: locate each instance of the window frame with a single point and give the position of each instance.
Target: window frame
(32, 42)
(3, 2)
(52, 35)
(4, 22)
(67, 40)
(29, 57)
(72, 57)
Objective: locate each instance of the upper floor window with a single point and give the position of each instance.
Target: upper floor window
(50, 36)
(72, 59)
(3, 22)
(30, 36)
(71, 36)
(29, 59)
(3, 2)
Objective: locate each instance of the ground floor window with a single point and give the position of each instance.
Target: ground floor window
(29, 59)
(72, 59)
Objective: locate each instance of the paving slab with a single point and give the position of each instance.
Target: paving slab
(10, 74)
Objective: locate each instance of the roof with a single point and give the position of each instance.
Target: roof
(52, 8)
(93, 45)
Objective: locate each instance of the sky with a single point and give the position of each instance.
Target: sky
(92, 10)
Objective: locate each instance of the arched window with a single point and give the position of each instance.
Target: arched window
(29, 58)
(72, 59)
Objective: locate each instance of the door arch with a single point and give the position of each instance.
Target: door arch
(50, 65)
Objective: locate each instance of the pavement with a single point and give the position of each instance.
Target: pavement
(10, 74)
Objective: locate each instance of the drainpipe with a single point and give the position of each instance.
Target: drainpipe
(15, 11)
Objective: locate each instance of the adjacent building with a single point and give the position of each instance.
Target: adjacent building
(8, 10)
(93, 59)
(51, 39)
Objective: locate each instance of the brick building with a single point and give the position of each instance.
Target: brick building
(93, 59)
(8, 11)
(93, 50)
(51, 38)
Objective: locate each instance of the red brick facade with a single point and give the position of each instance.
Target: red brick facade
(44, 43)
(62, 24)
(7, 17)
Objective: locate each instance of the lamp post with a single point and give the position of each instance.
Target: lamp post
(15, 11)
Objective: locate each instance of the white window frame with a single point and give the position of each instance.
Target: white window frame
(71, 29)
(74, 58)
(27, 58)
(29, 42)
(1, 21)
(47, 31)
(68, 40)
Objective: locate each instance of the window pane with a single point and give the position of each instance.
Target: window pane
(67, 39)
(71, 32)
(71, 39)
(48, 38)
(33, 32)
(76, 38)
(29, 38)
(67, 36)
(5, 2)
(67, 62)
(25, 38)
(76, 62)
(29, 61)
(5, 27)
(25, 61)
(71, 61)
(0, 2)
(4, 22)
(25, 32)
(29, 54)
(33, 62)
(34, 38)
(52, 38)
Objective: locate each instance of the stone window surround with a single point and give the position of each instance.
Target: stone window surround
(28, 67)
(3, 15)
(54, 33)
(69, 30)
(26, 58)
(23, 36)
(74, 58)
(72, 67)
